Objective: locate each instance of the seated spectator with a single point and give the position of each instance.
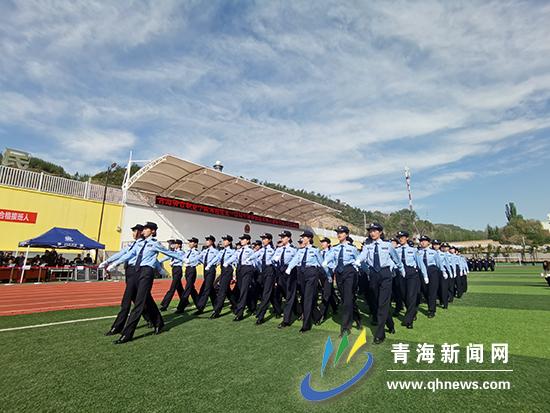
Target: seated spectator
(20, 260)
(88, 260)
(78, 260)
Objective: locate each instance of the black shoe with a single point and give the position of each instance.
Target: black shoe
(198, 312)
(379, 340)
(344, 332)
(150, 325)
(444, 307)
(391, 331)
(122, 340)
(238, 318)
(304, 330)
(283, 325)
(410, 326)
(179, 311)
(431, 315)
(163, 309)
(278, 315)
(358, 324)
(112, 332)
(260, 321)
(214, 315)
(158, 330)
(396, 313)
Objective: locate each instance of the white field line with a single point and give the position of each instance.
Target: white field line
(56, 323)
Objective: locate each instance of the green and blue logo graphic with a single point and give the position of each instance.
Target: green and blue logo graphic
(313, 395)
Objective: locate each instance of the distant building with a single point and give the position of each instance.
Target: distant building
(546, 223)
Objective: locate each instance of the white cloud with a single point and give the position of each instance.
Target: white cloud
(332, 97)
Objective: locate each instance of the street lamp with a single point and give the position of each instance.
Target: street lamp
(109, 169)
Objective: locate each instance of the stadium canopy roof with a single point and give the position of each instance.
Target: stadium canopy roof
(177, 178)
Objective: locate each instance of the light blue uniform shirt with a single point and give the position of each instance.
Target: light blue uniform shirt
(242, 256)
(265, 251)
(463, 265)
(207, 256)
(432, 258)
(289, 253)
(224, 255)
(349, 255)
(149, 248)
(173, 261)
(324, 255)
(119, 254)
(386, 253)
(446, 262)
(412, 258)
(312, 258)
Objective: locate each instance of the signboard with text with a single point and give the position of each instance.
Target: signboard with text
(22, 217)
(229, 213)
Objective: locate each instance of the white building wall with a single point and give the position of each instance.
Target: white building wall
(174, 223)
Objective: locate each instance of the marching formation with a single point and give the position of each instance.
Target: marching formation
(300, 282)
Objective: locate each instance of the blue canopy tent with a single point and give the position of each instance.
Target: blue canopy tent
(63, 238)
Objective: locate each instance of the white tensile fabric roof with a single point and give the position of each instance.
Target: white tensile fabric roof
(177, 178)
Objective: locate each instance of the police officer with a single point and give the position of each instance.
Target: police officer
(381, 259)
(267, 277)
(444, 276)
(245, 273)
(131, 279)
(450, 265)
(191, 258)
(343, 257)
(328, 297)
(207, 255)
(308, 262)
(287, 282)
(464, 270)
(410, 283)
(177, 273)
(432, 261)
(458, 285)
(145, 252)
(224, 259)
(398, 285)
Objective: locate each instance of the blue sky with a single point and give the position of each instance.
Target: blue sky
(331, 96)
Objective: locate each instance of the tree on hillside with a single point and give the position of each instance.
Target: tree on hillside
(511, 211)
(116, 177)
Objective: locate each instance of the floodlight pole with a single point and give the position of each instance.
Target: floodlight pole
(109, 169)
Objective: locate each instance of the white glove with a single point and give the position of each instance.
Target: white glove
(329, 279)
(111, 267)
(102, 265)
(207, 268)
(403, 273)
(287, 271)
(426, 280)
(225, 265)
(445, 275)
(357, 263)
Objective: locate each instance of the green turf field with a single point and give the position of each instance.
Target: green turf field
(219, 365)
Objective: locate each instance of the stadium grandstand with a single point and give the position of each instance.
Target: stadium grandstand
(184, 198)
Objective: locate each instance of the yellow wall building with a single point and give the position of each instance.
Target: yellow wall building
(57, 211)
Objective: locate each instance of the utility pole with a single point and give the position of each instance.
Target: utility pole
(409, 192)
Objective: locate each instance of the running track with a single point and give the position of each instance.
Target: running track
(37, 298)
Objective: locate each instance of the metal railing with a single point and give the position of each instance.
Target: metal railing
(40, 181)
